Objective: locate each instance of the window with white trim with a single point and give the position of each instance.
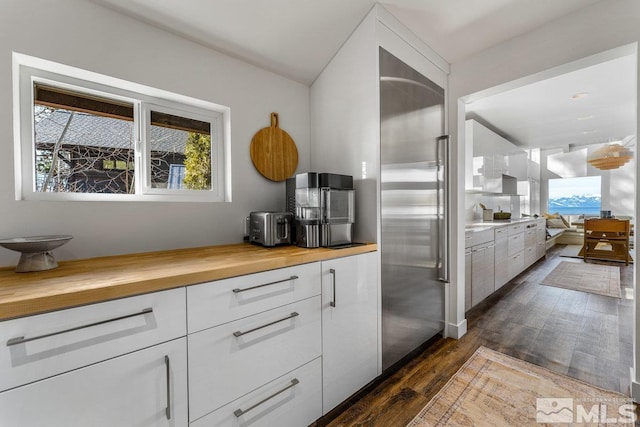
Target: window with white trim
(86, 136)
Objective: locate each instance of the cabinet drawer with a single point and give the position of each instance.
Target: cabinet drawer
(516, 244)
(224, 366)
(214, 303)
(292, 400)
(129, 390)
(516, 264)
(530, 237)
(36, 347)
(530, 255)
(515, 229)
(501, 232)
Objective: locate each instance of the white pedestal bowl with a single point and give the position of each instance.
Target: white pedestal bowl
(35, 250)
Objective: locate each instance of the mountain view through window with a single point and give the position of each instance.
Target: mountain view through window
(575, 196)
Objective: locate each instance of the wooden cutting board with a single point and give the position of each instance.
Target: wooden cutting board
(273, 152)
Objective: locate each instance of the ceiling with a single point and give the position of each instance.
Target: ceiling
(297, 38)
(543, 114)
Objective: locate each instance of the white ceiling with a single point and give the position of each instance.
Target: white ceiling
(297, 38)
(543, 114)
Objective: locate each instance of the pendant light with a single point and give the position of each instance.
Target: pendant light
(611, 156)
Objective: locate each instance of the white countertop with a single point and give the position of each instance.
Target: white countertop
(487, 225)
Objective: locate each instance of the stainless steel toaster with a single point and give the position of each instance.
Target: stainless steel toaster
(270, 228)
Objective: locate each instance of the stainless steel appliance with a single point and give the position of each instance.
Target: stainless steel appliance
(324, 206)
(270, 228)
(414, 196)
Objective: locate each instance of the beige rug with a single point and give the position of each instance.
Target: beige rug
(493, 389)
(586, 277)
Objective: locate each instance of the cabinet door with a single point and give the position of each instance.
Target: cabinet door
(482, 271)
(230, 360)
(467, 280)
(349, 326)
(292, 400)
(214, 303)
(144, 388)
(516, 264)
(52, 343)
(501, 256)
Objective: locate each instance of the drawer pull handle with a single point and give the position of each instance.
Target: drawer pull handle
(240, 412)
(333, 281)
(238, 290)
(167, 410)
(238, 334)
(22, 340)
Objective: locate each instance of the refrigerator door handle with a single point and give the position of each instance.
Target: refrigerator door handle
(442, 158)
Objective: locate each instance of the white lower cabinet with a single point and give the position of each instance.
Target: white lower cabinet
(49, 344)
(230, 360)
(292, 400)
(281, 348)
(349, 326)
(501, 255)
(467, 279)
(144, 388)
(482, 272)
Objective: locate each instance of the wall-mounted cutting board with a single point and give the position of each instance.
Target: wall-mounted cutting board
(273, 152)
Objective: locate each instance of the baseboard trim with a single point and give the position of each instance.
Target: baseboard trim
(457, 331)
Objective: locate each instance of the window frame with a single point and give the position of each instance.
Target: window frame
(29, 71)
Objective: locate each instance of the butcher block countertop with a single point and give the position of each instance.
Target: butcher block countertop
(86, 281)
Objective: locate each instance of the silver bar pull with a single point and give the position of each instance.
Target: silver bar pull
(443, 161)
(332, 271)
(22, 340)
(167, 410)
(240, 412)
(238, 290)
(291, 316)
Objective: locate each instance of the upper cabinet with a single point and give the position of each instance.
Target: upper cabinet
(490, 158)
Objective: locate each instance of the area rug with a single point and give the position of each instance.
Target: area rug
(585, 277)
(573, 251)
(493, 389)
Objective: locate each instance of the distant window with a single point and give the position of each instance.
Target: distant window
(575, 196)
(86, 139)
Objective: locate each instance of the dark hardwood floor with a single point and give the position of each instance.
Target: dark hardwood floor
(585, 336)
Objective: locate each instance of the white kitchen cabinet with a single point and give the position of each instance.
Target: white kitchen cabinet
(530, 244)
(467, 279)
(48, 344)
(232, 359)
(144, 388)
(515, 248)
(489, 156)
(482, 272)
(518, 165)
(541, 238)
(292, 400)
(501, 273)
(214, 303)
(349, 326)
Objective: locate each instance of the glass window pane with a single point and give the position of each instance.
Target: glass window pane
(180, 152)
(82, 144)
(575, 196)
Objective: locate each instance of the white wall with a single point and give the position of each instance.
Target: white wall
(605, 25)
(84, 35)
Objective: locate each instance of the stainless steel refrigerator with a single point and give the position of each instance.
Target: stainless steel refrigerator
(414, 197)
